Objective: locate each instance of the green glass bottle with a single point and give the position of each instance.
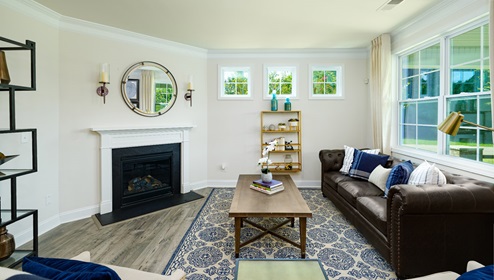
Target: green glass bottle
(288, 105)
(274, 103)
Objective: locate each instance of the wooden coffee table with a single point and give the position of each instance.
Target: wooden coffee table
(285, 204)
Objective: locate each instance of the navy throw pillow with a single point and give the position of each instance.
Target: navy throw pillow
(364, 163)
(58, 269)
(483, 273)
(399, 175)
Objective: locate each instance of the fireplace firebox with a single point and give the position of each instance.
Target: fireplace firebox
(144, 174)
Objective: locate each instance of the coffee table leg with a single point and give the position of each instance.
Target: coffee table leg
(238, 224)
(292, 222)
(303, 234)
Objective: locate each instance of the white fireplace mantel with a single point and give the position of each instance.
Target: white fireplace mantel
(123, 137)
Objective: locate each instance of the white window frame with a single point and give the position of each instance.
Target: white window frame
(460, 165)
(221, 85)
(269, 68)
(339, 81)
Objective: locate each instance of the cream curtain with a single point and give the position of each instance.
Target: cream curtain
(148, 90)
(491, 56)
(380, 92)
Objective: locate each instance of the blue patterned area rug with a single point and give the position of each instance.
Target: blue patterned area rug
(207, 249)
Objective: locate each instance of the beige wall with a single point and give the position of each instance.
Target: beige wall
(81, 109)
(34, 109)
(233, 136)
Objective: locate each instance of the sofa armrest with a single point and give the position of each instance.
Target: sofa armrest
(331, 160)
(449, 198)
(435, 228)
(126, 273)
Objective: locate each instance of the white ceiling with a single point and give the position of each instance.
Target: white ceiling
(249, 24)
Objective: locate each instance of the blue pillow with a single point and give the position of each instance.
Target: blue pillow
(483, 273)
(399, 175)
(364, 163)
(58, 269)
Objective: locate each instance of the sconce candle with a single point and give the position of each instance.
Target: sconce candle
(104, 75)
(104, 78)
(190, 89)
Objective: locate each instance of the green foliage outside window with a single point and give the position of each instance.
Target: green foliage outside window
(281, 82)
(236, 83)
(324, 82)
(164, 93)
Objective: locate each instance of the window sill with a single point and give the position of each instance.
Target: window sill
(477, 170)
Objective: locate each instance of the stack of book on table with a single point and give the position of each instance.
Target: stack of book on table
(268, 188)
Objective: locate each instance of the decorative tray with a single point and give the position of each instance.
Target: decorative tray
(7, 158)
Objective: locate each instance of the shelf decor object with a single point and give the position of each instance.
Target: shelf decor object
(7, 158)
(4, 70)
(7, 244)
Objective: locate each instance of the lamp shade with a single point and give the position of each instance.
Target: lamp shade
(451, 124)
(4, 71)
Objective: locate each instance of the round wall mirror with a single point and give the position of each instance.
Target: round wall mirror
(149, 89)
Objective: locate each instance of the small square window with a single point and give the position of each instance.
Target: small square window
(281, 80)
(234, 83)
(326, 82)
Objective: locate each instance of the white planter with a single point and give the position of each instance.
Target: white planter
(267, 177)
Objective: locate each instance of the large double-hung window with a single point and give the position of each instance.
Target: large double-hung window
(449, 75)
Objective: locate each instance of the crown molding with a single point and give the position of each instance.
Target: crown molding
(355, 53)
(39, 12)
(448, 14)
(34, 10)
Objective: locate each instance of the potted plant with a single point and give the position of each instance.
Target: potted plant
(266, 175)
(281, 126)
(293, 124)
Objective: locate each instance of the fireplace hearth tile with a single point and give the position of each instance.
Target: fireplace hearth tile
(149, 207)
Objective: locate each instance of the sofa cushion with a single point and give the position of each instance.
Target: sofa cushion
(332, 178)
(373, 208)
(66, 269)
(351, 190)
(364, 163)
(399, 175)
(426, 173)
(349, 155)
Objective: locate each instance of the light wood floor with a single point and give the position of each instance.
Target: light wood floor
(145, 243)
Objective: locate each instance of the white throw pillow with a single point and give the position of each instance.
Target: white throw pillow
(348, 160)
(379, 176)
(426, 173)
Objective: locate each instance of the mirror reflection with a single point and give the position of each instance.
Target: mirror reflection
(149, 89)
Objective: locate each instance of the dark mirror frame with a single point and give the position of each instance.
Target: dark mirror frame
(132, 99)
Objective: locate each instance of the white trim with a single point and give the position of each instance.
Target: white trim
(470, 168)
(221, 85)
(112, 138)
(355, 53)
(340, 91)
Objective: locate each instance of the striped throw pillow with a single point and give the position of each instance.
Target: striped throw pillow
(427, 173)
(348, 159)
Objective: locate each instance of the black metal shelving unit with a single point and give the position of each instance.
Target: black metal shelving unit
(13, 215)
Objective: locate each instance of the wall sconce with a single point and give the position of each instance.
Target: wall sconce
(104, 78)
(190, 89)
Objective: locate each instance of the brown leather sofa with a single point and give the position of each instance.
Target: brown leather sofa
(418, 229)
